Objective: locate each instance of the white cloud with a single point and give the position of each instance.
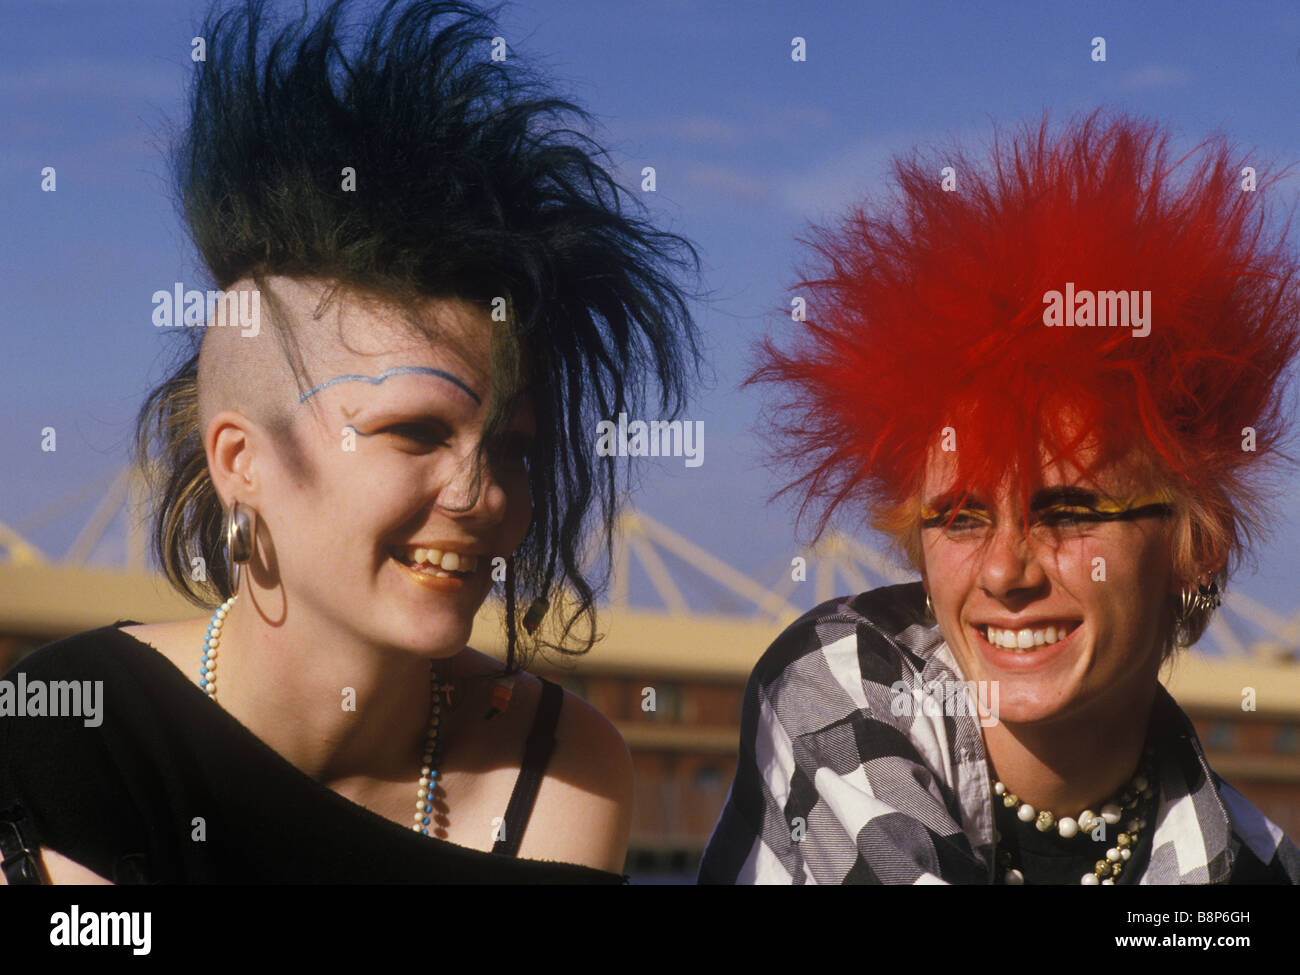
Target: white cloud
(727, 181)
(707, 129)
(1156, 76)
(715, 130)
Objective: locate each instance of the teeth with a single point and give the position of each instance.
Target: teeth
(1026, 639)
(440, 560)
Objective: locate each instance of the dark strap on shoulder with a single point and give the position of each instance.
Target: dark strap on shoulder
(18, 852)
(537, 753)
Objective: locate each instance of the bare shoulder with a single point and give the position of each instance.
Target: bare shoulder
(584, 807)
(179, 641)
(162, 632)
(589, 751)
(589, 746)
(60, 870)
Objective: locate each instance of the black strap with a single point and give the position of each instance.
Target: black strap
(18, 852)
(537, 753)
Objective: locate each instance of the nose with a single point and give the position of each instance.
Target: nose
(469, 488)
(1011, 566)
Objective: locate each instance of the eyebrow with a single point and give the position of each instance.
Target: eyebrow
(938, 508)
(1046, 498)
(1050, 497)
(396, 371)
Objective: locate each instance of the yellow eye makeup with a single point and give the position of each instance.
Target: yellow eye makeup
(1052, 507)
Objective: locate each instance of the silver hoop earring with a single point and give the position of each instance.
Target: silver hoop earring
(241, 540)
(1196, 602)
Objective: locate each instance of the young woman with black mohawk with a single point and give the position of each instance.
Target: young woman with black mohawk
(452, 292)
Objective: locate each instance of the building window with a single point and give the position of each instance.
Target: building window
(667, 702)
(706, 778)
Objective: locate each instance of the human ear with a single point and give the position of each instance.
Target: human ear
(229, 445)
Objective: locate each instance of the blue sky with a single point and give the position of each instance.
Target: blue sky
(748, 146)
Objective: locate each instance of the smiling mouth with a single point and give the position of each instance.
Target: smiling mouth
(1028, 639)
(436, 563)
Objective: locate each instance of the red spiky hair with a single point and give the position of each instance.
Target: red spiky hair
(927, 313)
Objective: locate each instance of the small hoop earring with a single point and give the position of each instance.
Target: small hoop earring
(241, 540)
(929, 608)
(1196, 601)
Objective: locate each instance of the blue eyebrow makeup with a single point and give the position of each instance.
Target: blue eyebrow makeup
(395, 371)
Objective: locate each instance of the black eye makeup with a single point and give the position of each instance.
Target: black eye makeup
(1062, 507)
(416, 434)
(421, 433)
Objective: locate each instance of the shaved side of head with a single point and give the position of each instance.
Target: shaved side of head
(310, 331)
(259, 374)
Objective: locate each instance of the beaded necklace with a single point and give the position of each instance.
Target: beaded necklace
(431, 759)
(1125, 806)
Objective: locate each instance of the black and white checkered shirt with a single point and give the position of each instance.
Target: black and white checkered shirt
(834, 787)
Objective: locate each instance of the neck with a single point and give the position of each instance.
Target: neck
(334, 706)
(1075, 763)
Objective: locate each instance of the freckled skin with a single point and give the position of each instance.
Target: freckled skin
(1053, 717)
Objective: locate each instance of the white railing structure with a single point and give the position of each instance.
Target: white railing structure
(837, 564)
(862, 567)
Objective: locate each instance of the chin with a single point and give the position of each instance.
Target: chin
(1032, 705)
(433, 636)
(432, 617)
(1025, 713)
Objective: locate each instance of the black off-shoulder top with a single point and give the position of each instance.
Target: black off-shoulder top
(125, 798)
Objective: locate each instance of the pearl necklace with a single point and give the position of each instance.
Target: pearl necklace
(1106, 870)
(432, 758)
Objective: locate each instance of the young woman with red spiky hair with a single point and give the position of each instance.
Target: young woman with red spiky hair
(1056, 386)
